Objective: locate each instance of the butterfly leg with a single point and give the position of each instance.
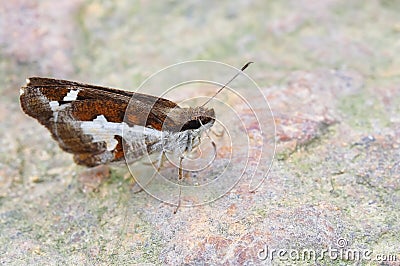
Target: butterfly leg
(212, 141)
(214, 146)
(180, 188)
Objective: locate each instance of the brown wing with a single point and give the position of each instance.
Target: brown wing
(61, 106)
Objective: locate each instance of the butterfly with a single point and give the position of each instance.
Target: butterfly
(89, 121)
(93, 122)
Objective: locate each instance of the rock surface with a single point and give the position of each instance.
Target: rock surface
(330, 71)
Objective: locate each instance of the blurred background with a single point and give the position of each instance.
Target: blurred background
(330, 70)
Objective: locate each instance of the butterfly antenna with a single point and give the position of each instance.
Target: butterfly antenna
(226, 84)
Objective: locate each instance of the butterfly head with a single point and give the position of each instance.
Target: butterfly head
(199, 116)
(191, 118)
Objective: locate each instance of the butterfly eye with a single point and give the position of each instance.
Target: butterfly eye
(192, 124)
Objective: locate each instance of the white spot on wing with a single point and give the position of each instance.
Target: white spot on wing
(54, 105)
(22, 90)
(71, 95)
(103, 131)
